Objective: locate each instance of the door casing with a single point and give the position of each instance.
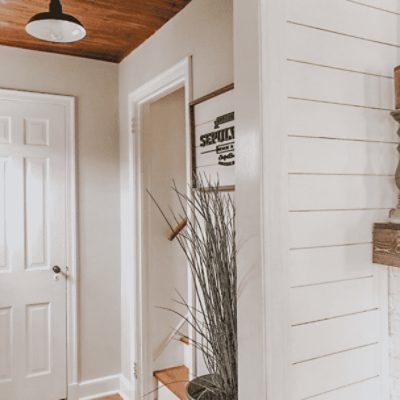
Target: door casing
(133, 279)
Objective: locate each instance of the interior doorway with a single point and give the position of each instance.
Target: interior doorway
(152, 98)
(163, 262)
(35, 244)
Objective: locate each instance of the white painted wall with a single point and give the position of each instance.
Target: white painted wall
(202, 30)
(331, 61)
(95, 85)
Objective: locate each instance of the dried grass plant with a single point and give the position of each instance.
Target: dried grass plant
(208, 242)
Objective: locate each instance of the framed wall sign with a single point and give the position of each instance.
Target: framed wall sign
(213, 137)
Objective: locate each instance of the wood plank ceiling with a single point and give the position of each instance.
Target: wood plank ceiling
(114, 27)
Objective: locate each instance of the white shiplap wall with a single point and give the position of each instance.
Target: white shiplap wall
(342, 157)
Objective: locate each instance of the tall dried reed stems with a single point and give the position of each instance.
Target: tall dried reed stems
(208, 242)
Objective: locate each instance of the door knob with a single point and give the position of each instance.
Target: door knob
(56, 269)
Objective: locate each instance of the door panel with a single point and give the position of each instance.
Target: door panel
(32, 241)
(5, 127)
(5, 343)
(35, 177)
(3, 247)
(38, 333)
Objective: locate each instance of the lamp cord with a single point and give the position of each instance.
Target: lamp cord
(55, 7)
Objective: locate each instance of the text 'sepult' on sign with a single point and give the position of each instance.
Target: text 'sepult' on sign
(213, 138)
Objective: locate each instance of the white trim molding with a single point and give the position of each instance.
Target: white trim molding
(261, 199)
(127, 388)
(100, 387)
(68, 102)
(132, 276)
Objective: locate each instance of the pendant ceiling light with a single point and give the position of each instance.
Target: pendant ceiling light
(55, 26)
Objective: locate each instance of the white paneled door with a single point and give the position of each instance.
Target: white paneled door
(32, 250)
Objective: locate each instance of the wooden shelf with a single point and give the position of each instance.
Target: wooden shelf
(386, 244)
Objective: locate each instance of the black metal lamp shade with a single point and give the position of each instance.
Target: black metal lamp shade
(55, 26)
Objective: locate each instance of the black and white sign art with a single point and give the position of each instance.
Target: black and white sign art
(213, 137)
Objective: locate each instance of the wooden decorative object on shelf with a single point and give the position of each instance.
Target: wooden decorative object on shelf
(395, 213)
(397, 86)
(386, 244)
(386, 236)
(178, 230)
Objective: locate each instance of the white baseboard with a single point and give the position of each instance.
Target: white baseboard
(127, 388)
(73, 391)
(100, 387)
(108, 385)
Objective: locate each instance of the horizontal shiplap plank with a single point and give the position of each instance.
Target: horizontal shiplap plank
(312, 155)
(328, 84)
(309, 118)
(316, 303)
(334, 192)
(315, 46)
(326, 374)
(384, 5)
(333, 228)
(327, 264)
(365, 390)
(335, 335)
(347, 18)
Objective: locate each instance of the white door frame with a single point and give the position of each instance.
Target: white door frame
(68, 102)
(132, 292)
